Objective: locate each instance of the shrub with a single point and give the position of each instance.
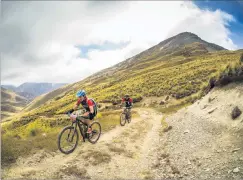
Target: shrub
(137, 99)
(236, 112)
(33, 132)
(57, 98)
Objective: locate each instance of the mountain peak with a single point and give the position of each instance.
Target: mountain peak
(187, 34)
(184, 39)
(182, 44)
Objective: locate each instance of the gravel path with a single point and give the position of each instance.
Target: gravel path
(204, 142)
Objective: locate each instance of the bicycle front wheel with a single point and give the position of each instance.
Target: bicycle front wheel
(129, 117)
(68, 140)
(94, 136)
(123, 119)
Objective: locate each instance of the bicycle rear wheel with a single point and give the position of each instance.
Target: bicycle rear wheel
(68, 140)
(94, 136)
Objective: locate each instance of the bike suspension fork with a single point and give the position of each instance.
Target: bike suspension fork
(82, 131)
(74, 129)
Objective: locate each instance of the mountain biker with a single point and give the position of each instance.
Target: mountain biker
(88, 105)
(128, 103)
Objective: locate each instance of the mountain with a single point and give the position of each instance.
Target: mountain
(184, 44)
(164, 79)
(186, 38)
(32, 90)
(11, 103)
(27, 95)
(10, 87)
(180, 67)
(38, 88)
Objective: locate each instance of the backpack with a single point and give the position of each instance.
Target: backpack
(95, 107)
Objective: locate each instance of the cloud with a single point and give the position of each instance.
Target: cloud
(204, 23)
(42, 38)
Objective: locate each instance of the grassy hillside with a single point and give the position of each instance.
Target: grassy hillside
(178, 76)
(11, 103)
(183, 75)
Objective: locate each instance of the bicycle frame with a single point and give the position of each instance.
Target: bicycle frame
(125, 111)
(82, 127)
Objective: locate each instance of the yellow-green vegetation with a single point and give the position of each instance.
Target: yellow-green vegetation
(178, 76)
(146, 174)
(24, 137)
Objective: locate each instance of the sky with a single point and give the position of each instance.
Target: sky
(65, 42)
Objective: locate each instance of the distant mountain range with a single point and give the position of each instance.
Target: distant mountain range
(31, 90)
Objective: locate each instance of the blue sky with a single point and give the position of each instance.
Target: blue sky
(103, 47)
(235, 8)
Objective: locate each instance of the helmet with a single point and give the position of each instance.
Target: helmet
(126, 96)
(81, 93)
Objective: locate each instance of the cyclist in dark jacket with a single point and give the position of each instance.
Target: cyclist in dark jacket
(128, 102)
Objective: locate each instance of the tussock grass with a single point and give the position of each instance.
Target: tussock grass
(173, 108)
(116, 149)
(14, 146)
(97, 157)
(73, 170)
(146, 174)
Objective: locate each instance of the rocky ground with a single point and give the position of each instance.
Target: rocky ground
(204, 141)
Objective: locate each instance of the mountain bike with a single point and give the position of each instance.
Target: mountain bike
(68, 138)
(125, 116)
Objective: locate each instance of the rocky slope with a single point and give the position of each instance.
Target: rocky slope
(205, 142)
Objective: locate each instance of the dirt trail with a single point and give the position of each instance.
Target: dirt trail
(124, 152)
